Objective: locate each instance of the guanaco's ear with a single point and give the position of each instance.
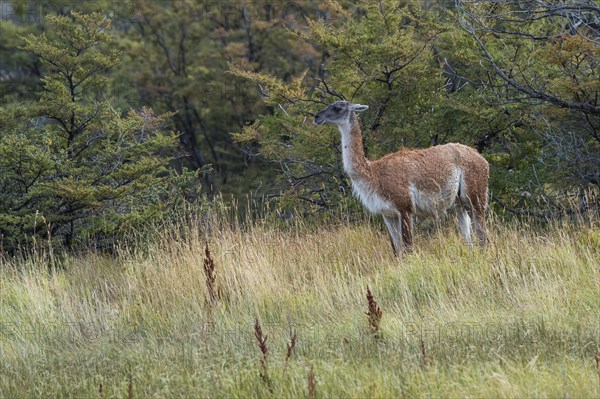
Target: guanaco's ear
(358, 107)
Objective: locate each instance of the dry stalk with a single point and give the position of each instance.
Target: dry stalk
(424, 353)
(262, 345)
(374, 314)
(312, 384)
(597, 358)
(211, 276)
(129, 386)
(290, 349)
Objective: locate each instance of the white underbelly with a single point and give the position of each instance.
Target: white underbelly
(372, 200)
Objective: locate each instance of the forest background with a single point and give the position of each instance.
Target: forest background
(116, 114)
(172, 223)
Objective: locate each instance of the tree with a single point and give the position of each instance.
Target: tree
(174, 57)
(380, 53)
(71, 166)
(177, 54)
(540, 63)
(517, 80)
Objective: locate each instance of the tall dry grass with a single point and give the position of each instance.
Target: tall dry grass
(520, 318)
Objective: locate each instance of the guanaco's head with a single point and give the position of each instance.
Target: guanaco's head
(338, 113)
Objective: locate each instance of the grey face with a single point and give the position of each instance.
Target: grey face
(338, 112)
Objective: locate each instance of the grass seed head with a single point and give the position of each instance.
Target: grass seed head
(262, 345)
(291, 345)
(129, 386)
(211, 276)
(374, 314)
(311, 384)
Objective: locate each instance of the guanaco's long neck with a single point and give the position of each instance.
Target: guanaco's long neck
(353, 154)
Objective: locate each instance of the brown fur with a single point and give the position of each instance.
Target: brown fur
(428, 170)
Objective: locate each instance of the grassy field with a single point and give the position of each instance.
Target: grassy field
(519, 319)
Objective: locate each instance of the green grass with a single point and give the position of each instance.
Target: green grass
(518, 319)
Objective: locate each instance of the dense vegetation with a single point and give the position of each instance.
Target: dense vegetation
(73, 166)
(108, 125)
(517, 320)
(172, 223)
(517, 80)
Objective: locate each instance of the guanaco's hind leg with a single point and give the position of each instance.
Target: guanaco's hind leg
(479, 225)
(407, 231)
(477, 190)
(464, 223)
(395, 230)
(478, 213)
(472, 201)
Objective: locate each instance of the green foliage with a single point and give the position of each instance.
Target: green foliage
(73, 168)
(20, 70)
(176, 56)
(429, 81)
(539, 66)
(382, 54)
(418, 64)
